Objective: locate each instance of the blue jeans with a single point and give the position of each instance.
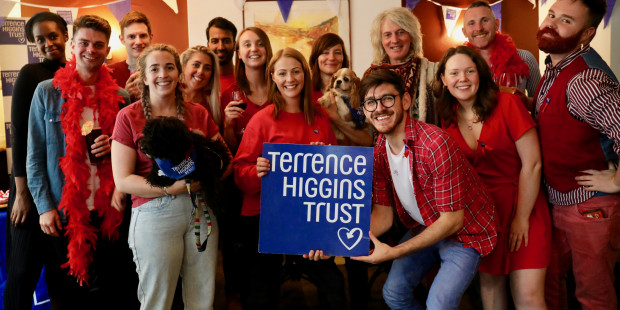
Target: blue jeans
(458, 267)
(161, 236)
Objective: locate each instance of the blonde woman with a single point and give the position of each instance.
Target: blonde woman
(201, 76)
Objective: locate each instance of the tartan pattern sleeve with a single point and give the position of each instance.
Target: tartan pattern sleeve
(444, 181)
(383, 193)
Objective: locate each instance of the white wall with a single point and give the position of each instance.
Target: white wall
(362, 12)
(602, 42)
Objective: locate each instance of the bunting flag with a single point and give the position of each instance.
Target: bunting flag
(119, 9)
(450, 16)
(533, 2)
(173, 5)
(5, 9)
(497, 10)
(239, 4)
(334, 6)
(285, 8)
(610, 9)
(411, 4)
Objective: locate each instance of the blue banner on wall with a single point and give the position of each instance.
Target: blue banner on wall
(8, 81)
(13, 32)
(34, 56)
(316, 197)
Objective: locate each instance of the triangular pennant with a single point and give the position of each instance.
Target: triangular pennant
(334, 6)
(285, 8)
(5, 9)
(610, 9)
(450, 16)
(68, 14)
(173, 5)
(533, 2)
(497, 10)
(119, 9)
(411, 4)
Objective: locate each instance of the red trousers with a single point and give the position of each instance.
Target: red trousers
(588, 245)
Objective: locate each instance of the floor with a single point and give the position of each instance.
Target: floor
(301, 295)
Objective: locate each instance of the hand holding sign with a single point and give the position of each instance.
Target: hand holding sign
(262, 166)
(315, 197)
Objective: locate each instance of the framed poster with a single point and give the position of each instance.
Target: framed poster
(307, 20)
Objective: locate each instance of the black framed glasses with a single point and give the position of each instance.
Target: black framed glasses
(387, 101)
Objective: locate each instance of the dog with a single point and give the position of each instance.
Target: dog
(344, 85)
(178, 153)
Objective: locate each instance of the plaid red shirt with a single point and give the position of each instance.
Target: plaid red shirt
(443, 181)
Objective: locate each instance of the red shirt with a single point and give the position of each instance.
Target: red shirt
(128, 131)
(287, 128)
(443, 181)
(226, 81)
(120, 73)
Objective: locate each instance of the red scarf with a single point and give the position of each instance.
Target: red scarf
(81, 234)
(504, 57)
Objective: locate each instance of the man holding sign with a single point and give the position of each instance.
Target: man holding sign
(419, 171)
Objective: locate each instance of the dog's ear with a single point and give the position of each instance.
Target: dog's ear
(355, 86)
(332, 81)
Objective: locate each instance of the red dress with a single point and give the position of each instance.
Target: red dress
(497, 162)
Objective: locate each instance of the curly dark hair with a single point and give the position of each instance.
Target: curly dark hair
(486, 98)
(44, 17)
(169, 138)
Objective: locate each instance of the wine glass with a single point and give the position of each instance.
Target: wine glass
(507, 82)
(236, 96)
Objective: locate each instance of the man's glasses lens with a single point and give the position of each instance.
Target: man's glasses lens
(387, 101)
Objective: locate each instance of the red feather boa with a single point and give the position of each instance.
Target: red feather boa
(81, 234)
(504, 57)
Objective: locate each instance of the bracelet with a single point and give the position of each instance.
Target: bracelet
(165, 191)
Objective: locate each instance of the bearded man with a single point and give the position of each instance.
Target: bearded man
(578, 112)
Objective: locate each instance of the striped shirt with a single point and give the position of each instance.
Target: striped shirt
(593, 97)
(532, 81)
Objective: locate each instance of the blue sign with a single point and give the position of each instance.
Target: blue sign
(13, 32)
(34, 56)
(8, 81)
(316, 197)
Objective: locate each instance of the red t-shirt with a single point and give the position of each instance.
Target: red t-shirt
(120, 73)
(287, 128)
(226, 81)
(128, 131)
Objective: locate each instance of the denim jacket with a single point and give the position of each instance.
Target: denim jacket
(46, 145)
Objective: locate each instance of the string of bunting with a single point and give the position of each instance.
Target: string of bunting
(451, 13)
(285, 6)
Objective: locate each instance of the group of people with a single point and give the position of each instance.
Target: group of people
(518, 184)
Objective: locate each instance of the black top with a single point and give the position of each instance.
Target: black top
(27, 80)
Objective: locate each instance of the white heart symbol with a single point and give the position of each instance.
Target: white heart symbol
(349, 236)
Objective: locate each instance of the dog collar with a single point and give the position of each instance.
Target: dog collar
(358, 116)
(185, 167)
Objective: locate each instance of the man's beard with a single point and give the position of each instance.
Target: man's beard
(556, 44)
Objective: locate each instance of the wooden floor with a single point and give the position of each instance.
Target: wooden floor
(302, 295)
